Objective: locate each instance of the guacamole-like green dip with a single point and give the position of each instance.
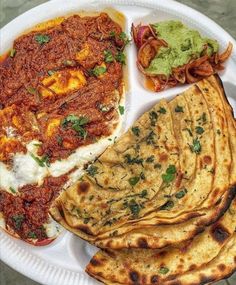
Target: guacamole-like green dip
(183, 44)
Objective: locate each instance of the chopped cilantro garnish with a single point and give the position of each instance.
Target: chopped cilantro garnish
(153, 118)
(77, 124)
(196, 146)
(99, 70)
(44, 161)
(121, 109)
(168, 205)
(92, 170)
(32, 90)
(157, 165)
(42, 39)
(181, 193)
(112, 34)
(150, 159)
(133, 160)
(18, 220)
(134, 180)
(179, 109)
(12, 190)
(136, 131)
(142, 176)
(12, 52)
(169, 176)
(134, 207)
(202, 119)
(108, 56)
(162, 110)
(51, 72)
(164, 270)
(143, 193)
(120, 57)
(124, 38)
(32, 235)
(150, 138)
(199, 130)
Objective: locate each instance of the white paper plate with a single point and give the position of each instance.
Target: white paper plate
(63, 262)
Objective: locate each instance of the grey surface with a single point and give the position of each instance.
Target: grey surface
(221, 11)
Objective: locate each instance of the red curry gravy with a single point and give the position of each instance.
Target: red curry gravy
(61, 86)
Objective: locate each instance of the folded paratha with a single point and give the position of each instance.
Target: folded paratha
(176, 163)
(148, 266)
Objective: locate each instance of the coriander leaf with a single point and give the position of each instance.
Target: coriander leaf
(80, 130)
(143, 193)
(196, 146)
(32, 90)
(134, 207)
(44, 161)
(142, 176)
(133, 160)
(112, 34)
(153, 118)
(199, 130)
(76, 124)
(150, 139)
(120, 57)
(108, 56)
(134, 180)
(42, 39)
(12, 52)
(202, 119)
(124, 38)
(99, 70)
(164, 270)
(181, 194)
(157, 165)
(168, 205)
(92, 170)
(136, 131)
(12, 190)
(51, 72)
(179, 109)
(162, 110)
(150, 159)
(169, 176)
(171, 169)
(121, 109)
(32, 235)
(18, 220)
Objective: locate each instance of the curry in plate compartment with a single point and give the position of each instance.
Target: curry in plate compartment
(60, 89)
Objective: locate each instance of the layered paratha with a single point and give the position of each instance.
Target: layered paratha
(175, 163)
(148, 266)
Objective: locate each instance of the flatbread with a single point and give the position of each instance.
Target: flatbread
(128, 191)
(148, 266)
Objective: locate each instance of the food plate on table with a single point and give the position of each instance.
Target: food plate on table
(76, 84)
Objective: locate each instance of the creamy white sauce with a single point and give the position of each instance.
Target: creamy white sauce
(26, 170)
(52, 228)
